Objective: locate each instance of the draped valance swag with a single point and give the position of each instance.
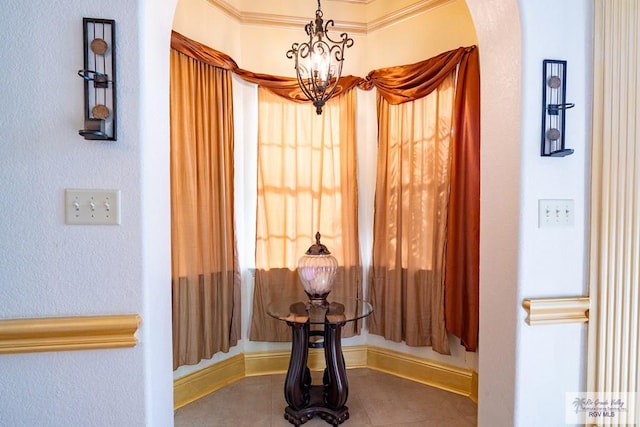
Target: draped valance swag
(398, 85)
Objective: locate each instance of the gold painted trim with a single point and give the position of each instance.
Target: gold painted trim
(68, 333)
(543, 311)
(429, 372)
(474, 387)
(265, 19)
(200, 383)
(446, 377)
(267, 362)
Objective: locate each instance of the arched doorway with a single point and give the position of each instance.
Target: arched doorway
(497, 25)
(498, 29)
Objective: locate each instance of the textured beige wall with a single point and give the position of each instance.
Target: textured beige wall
(423, 36)
(202, 21)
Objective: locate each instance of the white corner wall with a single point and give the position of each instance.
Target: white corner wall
(497, 25)
(551, 359)
(50, 269)
(524, 371)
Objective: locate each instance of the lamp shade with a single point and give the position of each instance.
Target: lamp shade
(317, 269)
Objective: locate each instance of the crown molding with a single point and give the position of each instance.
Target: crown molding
(274, 20)
(294, 22)
(354, 1)
(405, 13)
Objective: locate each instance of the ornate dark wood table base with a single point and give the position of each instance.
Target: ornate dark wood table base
(328, 401)
(317, 407)
(306, 400)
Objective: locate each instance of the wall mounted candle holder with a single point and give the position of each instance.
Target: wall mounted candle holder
(99, 75)
(554, 105)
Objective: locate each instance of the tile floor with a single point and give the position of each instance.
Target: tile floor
(375, 399)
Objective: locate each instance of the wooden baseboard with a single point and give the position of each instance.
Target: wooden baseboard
(436, 374)
(425, 371)
(200, 383)
(474, 387)
(68, 333)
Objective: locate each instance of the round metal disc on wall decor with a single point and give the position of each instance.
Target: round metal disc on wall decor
(99, 46)
(100, 112)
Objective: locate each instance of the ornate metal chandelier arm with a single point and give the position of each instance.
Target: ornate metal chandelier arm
(324, 56)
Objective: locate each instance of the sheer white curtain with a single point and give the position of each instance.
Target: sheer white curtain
(410, 221)
(306, 184)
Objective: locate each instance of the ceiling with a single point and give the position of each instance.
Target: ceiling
(357, 16)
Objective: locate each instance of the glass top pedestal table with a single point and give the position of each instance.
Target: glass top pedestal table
(329, 399)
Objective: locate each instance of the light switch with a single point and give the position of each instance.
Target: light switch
(92, 207)
(555, 213)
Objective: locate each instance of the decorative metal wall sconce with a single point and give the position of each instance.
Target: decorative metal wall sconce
(554, 105)
(99, 75)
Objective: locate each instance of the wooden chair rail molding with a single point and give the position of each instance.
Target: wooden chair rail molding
(68, 333)
(543, 311)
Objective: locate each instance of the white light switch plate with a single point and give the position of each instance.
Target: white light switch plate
(92, 207)
(555, 213)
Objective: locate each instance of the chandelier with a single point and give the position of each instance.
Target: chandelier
(318, 62)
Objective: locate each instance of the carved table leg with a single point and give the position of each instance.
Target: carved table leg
(336, 387)
(306, 400)
(298, 380)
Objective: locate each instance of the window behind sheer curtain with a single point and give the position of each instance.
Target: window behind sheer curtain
(410, 220)
(408, 83)
(306, 184)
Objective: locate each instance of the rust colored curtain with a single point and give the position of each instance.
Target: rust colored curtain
(406, 281)
(205, 273)
(463, 230)
(397, 85)
(306, 183)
